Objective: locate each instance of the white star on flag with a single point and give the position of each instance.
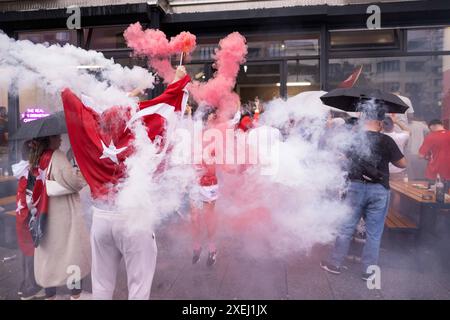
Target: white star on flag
(42, 175)
(111, 152)
(19, 206)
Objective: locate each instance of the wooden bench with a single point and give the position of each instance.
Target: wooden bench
(398, 222)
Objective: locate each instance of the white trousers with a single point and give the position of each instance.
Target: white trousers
(112, 240)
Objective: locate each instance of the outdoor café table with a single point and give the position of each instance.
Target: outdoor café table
(424, 200)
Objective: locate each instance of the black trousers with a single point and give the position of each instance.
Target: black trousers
(28, 285)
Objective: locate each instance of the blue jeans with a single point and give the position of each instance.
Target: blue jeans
(372, 201)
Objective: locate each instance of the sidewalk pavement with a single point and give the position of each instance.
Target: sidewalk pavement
(407, 272)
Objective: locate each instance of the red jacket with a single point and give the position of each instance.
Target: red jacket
(436, 148)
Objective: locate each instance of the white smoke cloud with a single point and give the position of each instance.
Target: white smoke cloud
(153, 189)
(301, 196)
(24, 65)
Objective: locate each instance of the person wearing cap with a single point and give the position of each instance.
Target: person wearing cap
(368, 191)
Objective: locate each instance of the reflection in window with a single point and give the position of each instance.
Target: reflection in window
(303, 75)
(423, 85)
(130, 62)
(374, 39)
(265, 46)
(435, 39)
(36, 100)
(415, 66)
(106, 38)
(258, 80)
(52, 36)
(388, 66)
(198, 72)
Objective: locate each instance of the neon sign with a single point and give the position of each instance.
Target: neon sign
(33, 114)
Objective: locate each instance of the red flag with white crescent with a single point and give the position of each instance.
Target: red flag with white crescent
(102, 142)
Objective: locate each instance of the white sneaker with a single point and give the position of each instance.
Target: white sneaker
(83, 296)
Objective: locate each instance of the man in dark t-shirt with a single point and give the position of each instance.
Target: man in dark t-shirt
(367, 194)
(371, 162)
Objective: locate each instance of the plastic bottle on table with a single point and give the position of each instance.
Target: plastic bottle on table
(440, 190)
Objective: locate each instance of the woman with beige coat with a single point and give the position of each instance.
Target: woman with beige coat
(63, 257)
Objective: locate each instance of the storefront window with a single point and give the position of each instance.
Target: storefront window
(413, 77)
(130, 62)
(198, 72)
(260, 80)
(282, 46)
(34, 101)
(51, 37)
(104, 38)
(303, 75)
(434, 39)
(265, 46)
(376, 39)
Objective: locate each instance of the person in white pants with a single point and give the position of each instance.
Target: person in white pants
(111, 240)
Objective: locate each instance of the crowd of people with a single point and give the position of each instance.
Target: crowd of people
(393, 144)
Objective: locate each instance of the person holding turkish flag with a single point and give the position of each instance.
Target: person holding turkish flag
(101, 143)
(28, 287)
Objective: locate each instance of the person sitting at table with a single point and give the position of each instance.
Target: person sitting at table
(436, 149)
(368, 192)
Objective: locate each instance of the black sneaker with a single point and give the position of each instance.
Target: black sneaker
(368, 276)
(330, 268)
(212, 256)
(196, 256)
(30, 295)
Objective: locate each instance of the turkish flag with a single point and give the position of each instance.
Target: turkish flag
(351, 80)
(102, 142)
(24, 239)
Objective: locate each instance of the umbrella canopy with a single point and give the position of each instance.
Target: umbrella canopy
(350, 99)
(52, 125)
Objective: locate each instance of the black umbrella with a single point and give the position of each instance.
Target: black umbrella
(350, 99)
(52, 125)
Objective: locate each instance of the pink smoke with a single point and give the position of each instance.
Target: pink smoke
(218, 91)
(154, 45)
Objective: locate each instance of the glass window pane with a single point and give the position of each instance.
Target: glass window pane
(197, 71)
(375, 39)
(52, 36)
(106, 38)
(303, 75)
(34, 101)
(265, 46)
(436, 39)
(258, 80)
(130, 62)
(423, 79)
